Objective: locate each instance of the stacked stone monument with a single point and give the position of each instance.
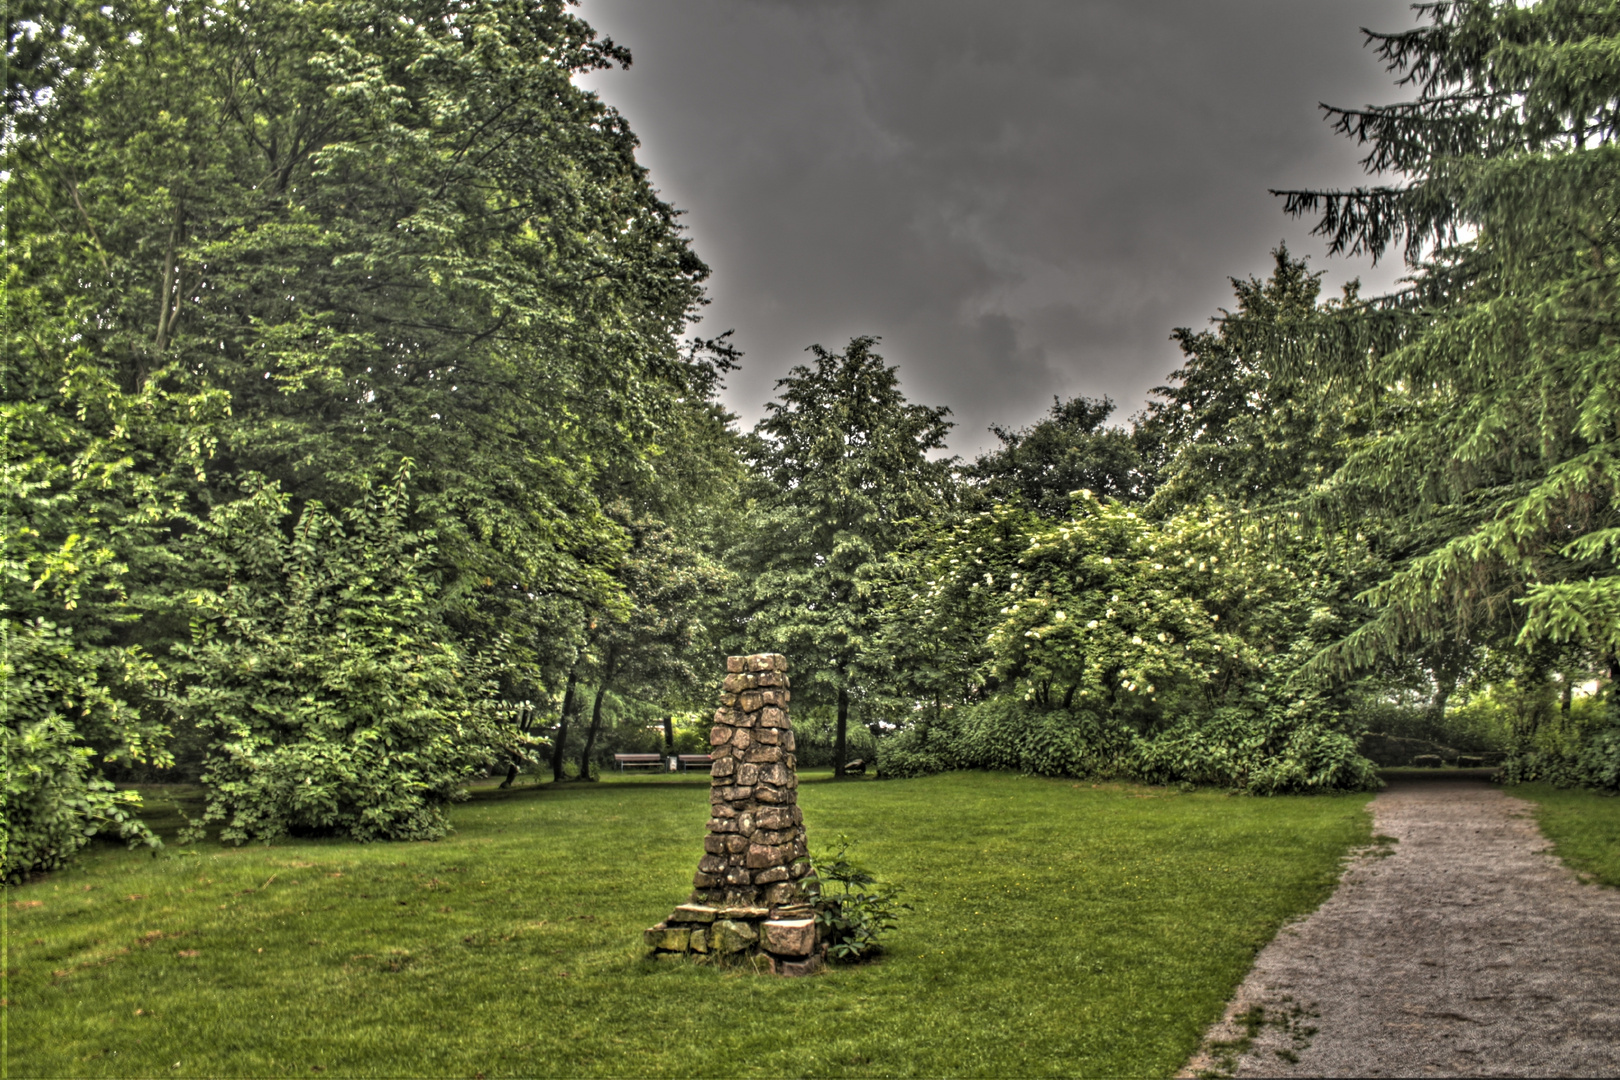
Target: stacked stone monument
(754, 885)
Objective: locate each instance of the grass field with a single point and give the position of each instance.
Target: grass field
(1059, 929)
(1584, 827)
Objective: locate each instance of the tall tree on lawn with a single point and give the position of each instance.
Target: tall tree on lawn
(844, 466)
(1492, 380)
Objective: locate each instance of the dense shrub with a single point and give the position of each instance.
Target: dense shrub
(72, 509)
(1006, 732)
(1271, 753)
(319, 666)
(1577, 747)
(1109, 644)
(55, 799)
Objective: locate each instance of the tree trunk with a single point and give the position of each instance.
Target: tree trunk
(839, 735)
(669, 736)
(562, 726)
(1442, 695)
(590, 736)
(512, 768)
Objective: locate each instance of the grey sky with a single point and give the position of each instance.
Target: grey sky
(1022, 198)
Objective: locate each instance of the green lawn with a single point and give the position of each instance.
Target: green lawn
(1584, 827)
(1060, 929)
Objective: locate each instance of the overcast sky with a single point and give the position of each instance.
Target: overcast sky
(1021, 197)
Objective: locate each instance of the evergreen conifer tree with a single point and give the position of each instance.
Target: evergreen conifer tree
(1492, 381)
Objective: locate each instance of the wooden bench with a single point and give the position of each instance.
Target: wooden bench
(638, 761)
(695, 761)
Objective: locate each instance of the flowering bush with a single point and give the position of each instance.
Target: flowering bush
(1111, 643)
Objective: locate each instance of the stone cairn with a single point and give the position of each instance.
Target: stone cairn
(754, 883)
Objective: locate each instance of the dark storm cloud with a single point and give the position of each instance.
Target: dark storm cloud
(1022, 198)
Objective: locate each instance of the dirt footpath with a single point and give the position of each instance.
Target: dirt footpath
(1464, 949)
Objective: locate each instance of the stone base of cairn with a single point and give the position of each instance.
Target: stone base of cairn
(754, 883)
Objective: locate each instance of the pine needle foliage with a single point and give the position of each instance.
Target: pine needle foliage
(1493, 379)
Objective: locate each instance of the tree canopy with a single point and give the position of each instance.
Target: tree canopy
(1490, 381)
(844, 463)
(355, 434)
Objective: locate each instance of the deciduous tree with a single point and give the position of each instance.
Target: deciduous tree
(845, 464)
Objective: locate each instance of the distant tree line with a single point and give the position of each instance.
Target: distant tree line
(356, 444)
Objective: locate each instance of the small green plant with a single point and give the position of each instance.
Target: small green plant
(851, 920)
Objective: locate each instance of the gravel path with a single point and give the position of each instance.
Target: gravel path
(1464, 949)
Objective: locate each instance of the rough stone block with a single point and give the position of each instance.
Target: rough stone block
(770, 679)
(763, 855)
(731, 936)
(728, 701)
(775, 838)
(734, 684)
(788, 742)
(735, 794)
(758, 662)
(801, 850)
(774, 796)
(694, 913)
(742, 739)
(722, 811)
(748, 775)
(667, 938)
(750, 912)
(763, 755)
(734, 664)
(789, 937)
(795, 968)
(721, 768)
(704, 881)
(711, 864)
(798, 816)
(747, 822)
(774, 774)
(734, 843)
(699, 942)
(784, 892)
(737, 875)
(771, 876)
(750, 701)
(715, 844)
(720, 734)
(778, 662)
(773, 717)
(768, 736)
(772, 817)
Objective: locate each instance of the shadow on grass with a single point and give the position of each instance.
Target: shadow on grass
(1406, 773)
